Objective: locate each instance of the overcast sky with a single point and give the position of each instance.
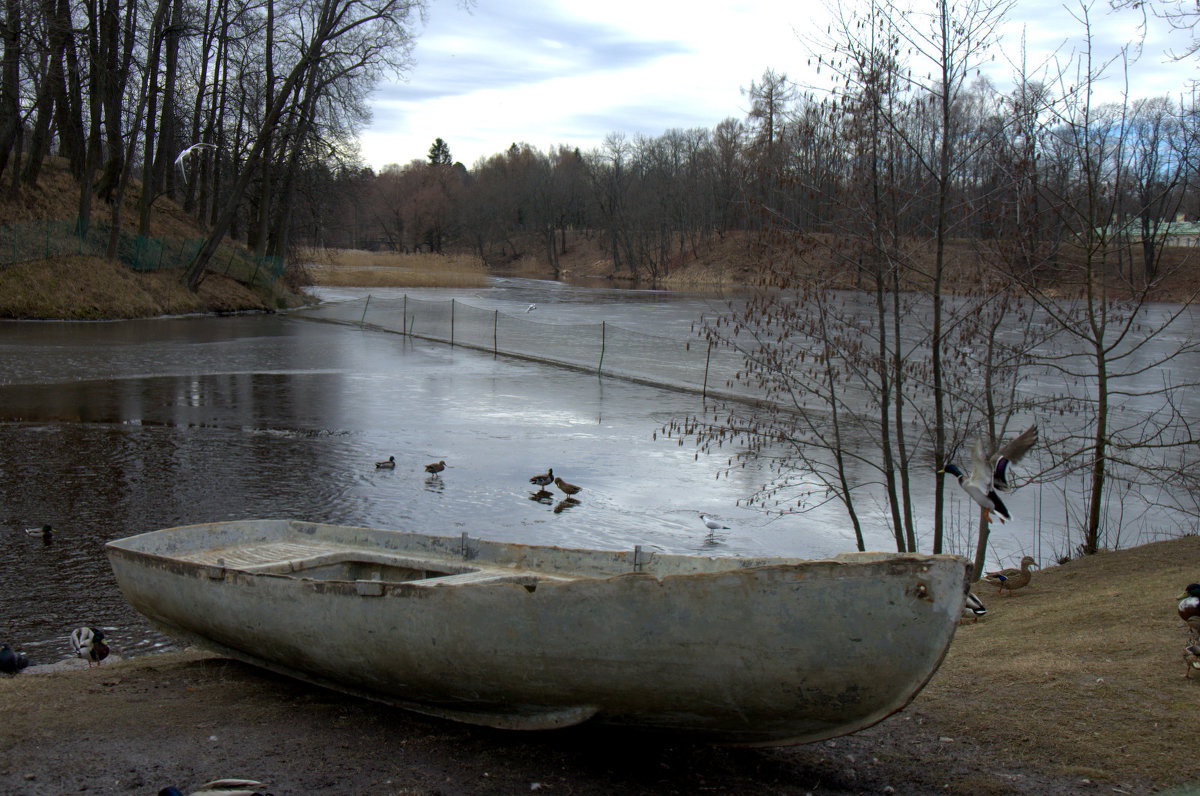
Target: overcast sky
(550, 72)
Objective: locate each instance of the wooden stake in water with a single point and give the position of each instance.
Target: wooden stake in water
(366, 304)
(603, 335)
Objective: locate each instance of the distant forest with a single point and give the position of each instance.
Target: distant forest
(910, 140)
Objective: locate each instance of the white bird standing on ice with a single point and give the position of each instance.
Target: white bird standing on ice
(712, 525)
(186, 155)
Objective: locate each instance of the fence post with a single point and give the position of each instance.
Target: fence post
(451, 321)
(603, 335)
(707, 357)
(363, 319)
(495, 332)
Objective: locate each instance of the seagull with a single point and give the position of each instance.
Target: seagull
(568, 489)
(545, 479)
(11, 662)
(973, 607)
(186, 155)
(531, 308)
(88, 643)
(220, 787)
(390, 464)
(712, 525)
(435, 468)
(985, 478)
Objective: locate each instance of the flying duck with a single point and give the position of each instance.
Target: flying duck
(568, 489)
(435, 468)
(985, 478)
(973, 607)
(1012, 578)
(545, 479)
(1189, 608)
(11, 662)
(88, 643)
(390, 464)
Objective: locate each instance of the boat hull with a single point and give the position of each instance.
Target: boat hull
(774, 652)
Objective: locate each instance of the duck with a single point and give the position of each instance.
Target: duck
(1191, 659)
(986, 478)
(220, 787)
(545, 479)
(46, 532)
(436, 467)
(567, 489)
(11, 661)
(1012, 578)
(88, 643)
(1189, 608)
(973, 608)
(388, 464)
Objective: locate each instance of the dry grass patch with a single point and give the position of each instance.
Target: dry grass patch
(356, 268)
(92, 288)
(1082, 670)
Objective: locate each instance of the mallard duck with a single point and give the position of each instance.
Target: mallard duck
(435, 468)
(545, 479)
(1189, 608)
(1191, 659)
(46, 532)
(985, 477)
(973, 607)
(220, 787)
(1012, 578)
(567, 489)
(88, 643)
(11, 662)
(390, 464)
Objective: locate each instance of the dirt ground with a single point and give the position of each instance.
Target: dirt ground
(1072, 686)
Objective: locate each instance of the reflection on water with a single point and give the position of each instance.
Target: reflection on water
(112, 429)
(115, 429)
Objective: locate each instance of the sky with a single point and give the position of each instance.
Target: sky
(572, 72)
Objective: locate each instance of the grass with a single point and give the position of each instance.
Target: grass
(1083, 668)
(357, 268)
(93, 288)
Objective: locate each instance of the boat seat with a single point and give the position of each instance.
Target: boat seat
(480, 576)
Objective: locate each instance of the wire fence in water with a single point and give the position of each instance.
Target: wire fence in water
(694, 365)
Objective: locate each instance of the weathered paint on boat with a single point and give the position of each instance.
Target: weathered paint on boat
(763, 651)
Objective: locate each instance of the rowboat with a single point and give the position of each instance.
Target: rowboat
(747, 651)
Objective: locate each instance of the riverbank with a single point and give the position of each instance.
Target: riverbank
(1072, 686)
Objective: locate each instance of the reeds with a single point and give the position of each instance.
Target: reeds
(357, 268)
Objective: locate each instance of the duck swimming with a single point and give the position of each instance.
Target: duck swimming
(389, 464)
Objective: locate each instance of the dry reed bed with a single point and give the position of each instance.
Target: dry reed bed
(357, 268)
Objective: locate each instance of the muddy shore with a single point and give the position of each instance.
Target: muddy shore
(1073, 686)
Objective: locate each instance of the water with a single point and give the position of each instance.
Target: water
(112, 429)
